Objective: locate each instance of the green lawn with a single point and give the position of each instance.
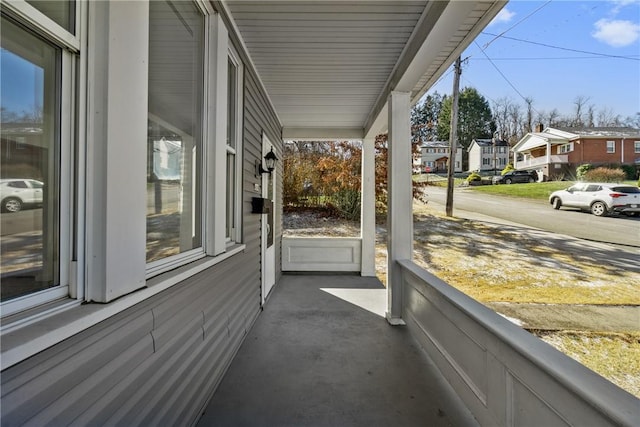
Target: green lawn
(536, 190)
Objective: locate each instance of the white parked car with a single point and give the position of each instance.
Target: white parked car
(17, 193)
(599, 198)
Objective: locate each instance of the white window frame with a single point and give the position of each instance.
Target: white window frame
(235, 185)
(611, 147)
(636, 146)
(565, 148)
(70, 275)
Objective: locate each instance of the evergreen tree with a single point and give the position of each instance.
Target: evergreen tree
(474, 118)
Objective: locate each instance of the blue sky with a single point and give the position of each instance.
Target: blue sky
(592, 35)
(21, 83)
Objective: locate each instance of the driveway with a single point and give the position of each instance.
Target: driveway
(618, 230)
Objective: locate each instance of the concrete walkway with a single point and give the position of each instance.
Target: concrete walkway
(322, 354)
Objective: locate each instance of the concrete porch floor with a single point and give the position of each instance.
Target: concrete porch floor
(322, 354)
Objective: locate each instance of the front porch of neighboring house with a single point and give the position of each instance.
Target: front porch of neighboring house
(543, 151)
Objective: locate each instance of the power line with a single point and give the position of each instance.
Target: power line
(543, 58)
(507, 80)
(606, 55)
(497, 36)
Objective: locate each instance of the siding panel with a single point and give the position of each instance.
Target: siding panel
(160, 361)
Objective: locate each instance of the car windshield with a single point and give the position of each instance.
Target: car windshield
(627, 190)
(576, 187)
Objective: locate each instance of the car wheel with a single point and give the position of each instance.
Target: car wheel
(556, 203)
(507, 181)
(599, 209)
(11, 204)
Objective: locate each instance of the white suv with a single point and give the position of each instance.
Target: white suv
(599, 198)
(16, 193)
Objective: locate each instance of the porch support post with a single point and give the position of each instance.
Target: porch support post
(548, 152)
(368, 209)
(400, 201)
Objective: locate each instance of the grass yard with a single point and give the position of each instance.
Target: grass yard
(536, 190)
(614, 356)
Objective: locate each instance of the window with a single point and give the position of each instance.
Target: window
(175, 130)
(636, 146)
(233, 147)
(62, 12)
(35, 80)
(611, 146)
(565, 148)
(486, 161)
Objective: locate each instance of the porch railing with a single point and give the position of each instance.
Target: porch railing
(505, 375)
(539, 161)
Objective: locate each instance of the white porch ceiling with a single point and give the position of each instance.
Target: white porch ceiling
(329, 66)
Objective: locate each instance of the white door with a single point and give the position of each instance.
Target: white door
(268, 247)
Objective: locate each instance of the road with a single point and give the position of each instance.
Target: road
(619, 230)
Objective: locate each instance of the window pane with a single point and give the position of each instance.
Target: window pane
(231, 195)
(174, 143)
(61, 12)
(29, 162)
(231, 104)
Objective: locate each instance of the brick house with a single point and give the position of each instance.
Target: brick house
(558, 152)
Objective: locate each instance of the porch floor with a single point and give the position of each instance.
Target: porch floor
(322, 354)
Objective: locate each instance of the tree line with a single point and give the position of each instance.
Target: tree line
(504, 118)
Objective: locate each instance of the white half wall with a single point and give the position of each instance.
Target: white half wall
(321, 254)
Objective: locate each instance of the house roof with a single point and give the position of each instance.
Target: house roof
(435, 144)
(599, 132)
(329, 66)
(487, 142)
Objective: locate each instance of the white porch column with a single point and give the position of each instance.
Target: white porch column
(400, 201)
(368, 209)
(548, 152)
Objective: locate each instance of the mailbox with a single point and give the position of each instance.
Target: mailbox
(260, 205)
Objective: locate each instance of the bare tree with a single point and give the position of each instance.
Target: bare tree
(529, 123)
(579, 102)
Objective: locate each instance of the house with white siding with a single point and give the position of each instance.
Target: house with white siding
(159, 242)
(435, 156)
(488, 155)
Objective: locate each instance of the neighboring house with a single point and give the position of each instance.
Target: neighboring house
(126, 301)
(557, 152)
(488, 155)
(435, 157)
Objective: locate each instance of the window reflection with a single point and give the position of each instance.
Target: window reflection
(28, 163)
(62, 12)
(174, 143)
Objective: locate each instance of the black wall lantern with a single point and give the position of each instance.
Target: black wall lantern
(270, 160)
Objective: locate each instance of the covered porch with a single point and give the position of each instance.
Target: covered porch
(321, 353)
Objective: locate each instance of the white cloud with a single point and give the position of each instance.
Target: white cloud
(503, 17)
(616, 33)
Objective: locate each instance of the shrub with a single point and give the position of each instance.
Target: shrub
(346, 204)
(474, 176)
(507, 168)
(629, 170)
(582, 170)
(605, 175)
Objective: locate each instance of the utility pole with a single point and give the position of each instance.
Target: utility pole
(453, 136)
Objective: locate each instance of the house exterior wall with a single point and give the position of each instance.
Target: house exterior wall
(594, 151)
(158, 361)
(481, 158)
(430, 156)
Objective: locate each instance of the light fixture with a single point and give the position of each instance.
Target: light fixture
(270, 160)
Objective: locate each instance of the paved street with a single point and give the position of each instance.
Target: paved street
(619, 230)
